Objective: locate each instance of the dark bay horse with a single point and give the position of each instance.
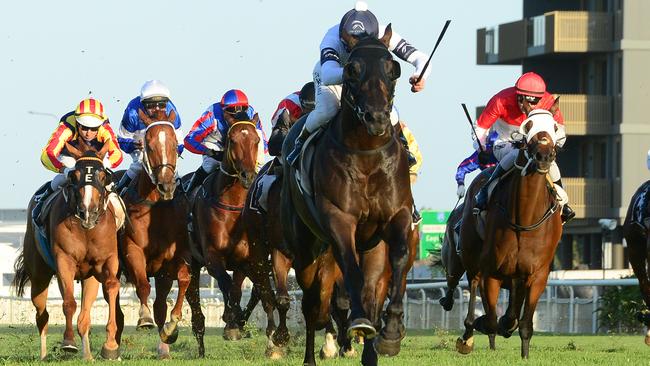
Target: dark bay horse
(81, 229)
(156, 243)
(522, 229)
(638, 245)
(451, 261)
(218, 228)
(362, 195)
(265, 234)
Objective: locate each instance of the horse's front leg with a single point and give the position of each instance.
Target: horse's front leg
(89, 289)
(163, 287)
(398, 237)
(169, 332)
(65, 268)
(281, 267)
(342, 227)
(115, 324)
(217, 270)
(136, 264)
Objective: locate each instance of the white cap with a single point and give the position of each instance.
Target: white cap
(89, 120)
(152, 89)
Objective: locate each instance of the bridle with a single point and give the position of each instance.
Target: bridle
(88, 178)
(238, 174)
(151, 171)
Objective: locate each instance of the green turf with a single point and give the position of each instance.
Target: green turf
(20, 345)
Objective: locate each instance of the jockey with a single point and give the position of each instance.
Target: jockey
(87, 122)
(154, 95)
(208, 134)
(328, 72)
(506, 111)
(478, 160)
(292, 107)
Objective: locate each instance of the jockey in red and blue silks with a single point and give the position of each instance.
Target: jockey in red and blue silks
(478, 160)
(208, 134)
(154, 95)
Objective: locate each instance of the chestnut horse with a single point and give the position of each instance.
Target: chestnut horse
(522, 229)
(638, 245)
(219, 230)
(156, 243)
(362, 195)
(81, 229)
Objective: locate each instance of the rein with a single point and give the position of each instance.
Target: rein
(340, 146)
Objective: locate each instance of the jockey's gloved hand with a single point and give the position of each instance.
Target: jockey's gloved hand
(460, 192)
(483, 157)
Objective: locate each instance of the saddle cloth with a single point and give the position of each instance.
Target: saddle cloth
(260, 194)
(303, 175)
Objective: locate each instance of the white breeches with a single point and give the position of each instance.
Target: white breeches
(136, 165)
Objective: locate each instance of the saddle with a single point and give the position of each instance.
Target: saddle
(258, 199)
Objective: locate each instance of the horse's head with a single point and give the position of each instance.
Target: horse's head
(540, 130)
(87, 186)
(160, 151)
(369, 79)
(240, 158)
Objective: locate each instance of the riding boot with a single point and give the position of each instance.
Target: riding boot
(197, 179)
(409, 155)
(567, 212)
(293, 156)
(40, 199)
(482, 195)
(123, 183)
(416, 217)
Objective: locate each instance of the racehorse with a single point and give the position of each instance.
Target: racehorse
(522, 229)
(156, 242)
(361, 196)
(637, 242)
(81, 229)
(219, 230)
(265, 234)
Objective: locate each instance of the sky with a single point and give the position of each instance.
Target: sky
(55, 53)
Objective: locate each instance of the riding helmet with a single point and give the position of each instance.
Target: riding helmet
(359, 22)
(90, 113)
(155, 91)
(530, 84)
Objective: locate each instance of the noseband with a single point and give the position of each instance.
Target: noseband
(231, 160)
(145, 157)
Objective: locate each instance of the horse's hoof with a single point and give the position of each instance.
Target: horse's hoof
(166, 336)
(164, 356)
(464, 346)
(69, 346)
(506, 331)
(328, 350)
(281, 337)
(231, 334)
(361, 327)
(110, 354)
(387, 347)
(274, 352)
(647, 340)
(347, 353)
(145, 323)
(447, 303)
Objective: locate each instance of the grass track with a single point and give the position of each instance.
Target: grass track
(20, 345)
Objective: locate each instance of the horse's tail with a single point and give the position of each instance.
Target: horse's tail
(21, 278)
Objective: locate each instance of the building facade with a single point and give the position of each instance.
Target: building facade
(595, 54)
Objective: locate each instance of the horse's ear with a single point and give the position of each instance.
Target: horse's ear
(526, 127)
(171, 117)
(144, 118)
(73, 150)
(556, 105)
(388, 33)
(349, 40)
(255, 119)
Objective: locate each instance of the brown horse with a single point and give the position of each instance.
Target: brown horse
(218, 227)
(637, 243)
(81, 229)
(522, 230)
(362, 195)
(156, 243)
(265, 234)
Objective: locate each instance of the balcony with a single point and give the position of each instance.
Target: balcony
(587, 114)
(590, 197)
(552, 33)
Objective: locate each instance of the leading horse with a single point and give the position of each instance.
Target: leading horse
(361, 196)
(81, 230)
(156, 243)
(522, 229)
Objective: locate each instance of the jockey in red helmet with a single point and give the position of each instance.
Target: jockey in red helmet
(208, 134)
(504, 113)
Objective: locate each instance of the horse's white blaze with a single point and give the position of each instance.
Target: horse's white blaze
(162, 138)
(88, 196)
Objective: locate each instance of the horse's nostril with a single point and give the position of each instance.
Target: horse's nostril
(368, 117)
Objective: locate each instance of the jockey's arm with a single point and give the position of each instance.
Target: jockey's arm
(280, 129)
(331, 70)
(204, 126)
(490, 114)
(51, 151)
(114, 154)
(405, 51)
(414, 148)
(129, 126)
